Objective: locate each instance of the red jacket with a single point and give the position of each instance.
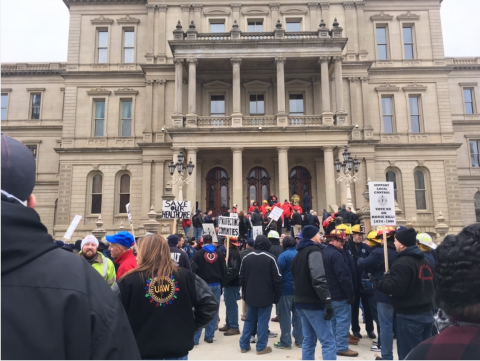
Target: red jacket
(186, 223)
(251, 209)
(263, 209)
(127, 262)
(287, 209)
(300, 210)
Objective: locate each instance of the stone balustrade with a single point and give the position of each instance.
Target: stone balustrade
(214, 122)
(302, 120)
(259, 121)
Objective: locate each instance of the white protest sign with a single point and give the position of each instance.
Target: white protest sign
(176, 209)
(228, 226)
(234, 215)
(129, 213)
(209, 228)
(382, 203)
(257, 231)
(275, 213)
(73, 225)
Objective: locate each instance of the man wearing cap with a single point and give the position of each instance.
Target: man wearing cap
(120, 244)
(410, 286)
(179, 256)
(54, 304)
(197, 222)
(276, 247)
(99, 262)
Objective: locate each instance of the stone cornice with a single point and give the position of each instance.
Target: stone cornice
(126, 91)
(420, 145)
(408, 16)
(100, 2)
(415, 87)
(387, 88)
(101, 21)
(98, 91)
(381, 16)
(98, 150)
(128, 20)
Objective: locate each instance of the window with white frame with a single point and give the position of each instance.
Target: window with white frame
(217, 105)
(387, 114)
(420, 190)
(124, 193)
(382, 45)
(4, 105)
(102, 46)
(391, 176)
(96, 194)
(217, 25)
(294, 25)
(35, 106)
(255, 26)
(128, 46)
(257, 104)
(414, 102)
(468, 99)
(99, 118)
(408, 42)
(126, 113)
(474, 152)
(296, 104)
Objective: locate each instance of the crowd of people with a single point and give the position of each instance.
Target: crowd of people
(133, 299)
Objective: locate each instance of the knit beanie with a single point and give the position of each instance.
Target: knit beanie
(172, 240)
(308, 232)
(407, 237)
(89, 239)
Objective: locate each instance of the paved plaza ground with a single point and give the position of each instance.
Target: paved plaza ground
(227, 348)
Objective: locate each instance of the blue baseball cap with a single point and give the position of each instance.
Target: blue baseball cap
(122, 238)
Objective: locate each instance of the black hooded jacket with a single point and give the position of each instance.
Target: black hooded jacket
(54, 304)
(260, 276)
(276, 249)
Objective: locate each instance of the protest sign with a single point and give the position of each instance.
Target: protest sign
(234, 215)
(382, 203)
(129, 213)
(73, 225)
(257, 231)
(176, 209)
(209, 228)
(228, 226)
(275, 213)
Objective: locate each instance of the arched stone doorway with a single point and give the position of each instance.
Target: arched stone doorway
(300, 182)
(258, 185)
(218, 184)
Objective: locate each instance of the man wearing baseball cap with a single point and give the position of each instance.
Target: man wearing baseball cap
(120, 244)
(99, 262)
(54, 304)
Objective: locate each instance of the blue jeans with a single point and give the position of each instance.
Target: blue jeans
(342, 316)
(373, 309)
(250, 234)
(230, 296)
(315, 327)
(385, 317)
(286, 311)
(210, 328)
(197, 233)
(186, 230)
(256, 316)
(409, 334)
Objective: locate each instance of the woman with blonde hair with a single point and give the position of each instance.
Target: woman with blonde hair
(159, 297)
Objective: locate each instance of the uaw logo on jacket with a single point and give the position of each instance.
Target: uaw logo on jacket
(210, 257)
(162, 290)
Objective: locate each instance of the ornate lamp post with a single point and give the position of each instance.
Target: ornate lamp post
(348, 176)
(180, 166)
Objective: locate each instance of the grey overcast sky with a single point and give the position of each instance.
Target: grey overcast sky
(37, 30)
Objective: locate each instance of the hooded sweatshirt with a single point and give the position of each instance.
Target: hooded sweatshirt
(209, 264)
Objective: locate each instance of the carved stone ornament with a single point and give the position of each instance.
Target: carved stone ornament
(99, 91)
(217, 161)
(126, 91)
(258, 161)
(392, 163)
(123, 166)
(312, 6)
(408, 16)
(150, 8)
(348, 5)
(186, 7)
(324, 5)
(197, 7)
(415, 87)
(101, 21)
(236, 6)
(274, 6)
(382, 16)
(360, 5)
(280, 59)
(95, 166)
(387, 87)
(128, 20)
(162, 7)
(298, 161)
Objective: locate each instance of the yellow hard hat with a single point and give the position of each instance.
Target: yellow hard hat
(372, 236)
(358, 229)
(344, 227)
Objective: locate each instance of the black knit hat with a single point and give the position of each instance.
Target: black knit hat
(407, 237)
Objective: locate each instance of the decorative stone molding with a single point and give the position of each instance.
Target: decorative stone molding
(178, 60)
(420, 162)
(150, 8)
(6, 90)
(192, 60)
(348, 5)
(392, 163)
(365, 79)
(197, 7)
(162, 7)
(217, 161)
(257, 84)
(258, 161)
(185, 7)
(323, 59)
(236, 60)
(126, 91)
(316, 79)
(35, 89)
(148, 82)
(352, 79)
(387, 88)
(408, 16)
(128, 20)
(359, 5)
(415, 87)
(382, 17)
(338, 58)
(461, 84)
(101, 21)
(236, 6)
(255, 11)
(280, 59)
(324, 5)
(312, 6)
(294, 11)
(216, 11)
(297, 83)
(298, 161)
(99, 91)
(95, 167)
(123, 166)
(217, 84)
(274, 6)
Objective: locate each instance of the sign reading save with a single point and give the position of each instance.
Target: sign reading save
(176, 209)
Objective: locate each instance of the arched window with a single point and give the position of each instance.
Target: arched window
(258, 182)
(392, 177)
(97, 188)
(420, 190)
(217, 190)
(477, 206)
(124, 197)
(300, 182)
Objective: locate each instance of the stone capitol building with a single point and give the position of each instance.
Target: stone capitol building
(261, 96)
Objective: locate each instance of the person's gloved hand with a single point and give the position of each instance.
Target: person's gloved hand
(386, 276)
(371, 278)
(327, 316)
(367, 284)
(350, 301)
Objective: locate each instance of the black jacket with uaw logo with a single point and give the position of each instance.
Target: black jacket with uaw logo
(410, 284)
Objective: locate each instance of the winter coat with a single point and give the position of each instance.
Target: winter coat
(243, 226)
(296, 219)
(359, 250)
(189, 250)
(104, 267)
(233, 268)
(197, 220)
(287, 209)
(350, 262)
(310, 220)
(54, 304)
(186, 223)
(338, 274)
(126, 262)
(299, 209)
(180, 257)
(208, 219)
(256, 219)
(276, 249)
(325, 216)
(306, 200)
(209, 264)
(285, 264)
(344, 214)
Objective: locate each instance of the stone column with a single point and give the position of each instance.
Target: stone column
(237, 112)
(283, 173)
(362, 49)
(236, 11)
(160, 35)
(178, 114)
(341, 114)
(160, 134)
(367, 127)
(330, 189)
(352, 81)
(192, 186)
(147, 125)
(325, 6)
(327, 115)
(146, 188)
(150, 31)
(351, 33)
(274, 7)
(197, 9)
(185, 14)
(312, 10)
(175, 187)
(159, 175)
(282, 119)
(192, 93)
(237, 177)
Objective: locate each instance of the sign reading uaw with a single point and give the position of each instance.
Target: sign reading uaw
(175, 209)
(382, 203)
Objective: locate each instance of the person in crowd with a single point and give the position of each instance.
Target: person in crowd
(358, 249)
(352, 217)
(77, 248)
(316, 220)
(186, 224)
(197, 223)
(120, 248)
(189, 249)
(267, 223)
(234, 209)
(325, 215)
(249, 246)
(252, 207)
(306, 202)
(54, 304)
(298, 207)
(410, 286)
(310, 219)
(427, 246)
(256, 218)
(261, 283)
(287, 212)
(208, 217)
(209, 265)
(457, 295)
(272, 200)
(263, 208)
(99, 262)
(340, 285)
(179, 256)
(296, 222)
(159, 297)
(243, 227)
(312, 297)
(287, 311)
(276, 249)
(329, 225)
(344, 213)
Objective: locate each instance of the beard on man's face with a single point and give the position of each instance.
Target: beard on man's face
(89, 254)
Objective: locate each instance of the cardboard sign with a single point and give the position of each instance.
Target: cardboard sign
(234, 215)
(209, 228)
(129, 213)
(257, 231)
(228, 226)
(382, 203)
(176, 209)
(275, 213)
(73, 225)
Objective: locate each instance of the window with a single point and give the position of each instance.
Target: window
(296, 104)
(33, 149)
(467, 97)
(408, 41)
(124, 193)
(474, 154)
(97, 185)
(126, 118)
(99, 121)
(217, 26)
(420, 190)
(255, 26)
(414, 114)
(382, 43)
(477, 206)
(4, 106)
(128, 46)
(294, 25)
(102, 52)
(257, 104)
(217, 106)
(387, 114)
(392, 177)
(35, 109)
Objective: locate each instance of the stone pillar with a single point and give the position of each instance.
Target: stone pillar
(274, 7)
(150, 31)
(236, 11)
(197, 10)
(159, 175)
(353, 104)
(192, 186)
(327, 115)
(237, 177)
(283, 173)
(367, 126)
(146, 187)
(192, 93)
(341, 114)
(325, 6)
(185, 14)
(362, 49)
(147, 125)
(178, 114)
(160, 34)
(237, 112)
(175, 187)
(370, 162)
(282, 119)
(152, 226)
(160, 134)
(351, 33)
(330, 189)
(312, 10)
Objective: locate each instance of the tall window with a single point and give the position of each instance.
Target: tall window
(4, 106)
(467, 96)
(102, 51)
(97, 182)
(382, 43)
(128, 46)
(414, 114)
(477, 206)
(255, 26)
(296, 104)
(33, 149)
(126, 118)
(35, 108)
(99, 121)
(217, 26)
(257, 104)
(217, 105)
(124, 193)
(420, 190)
(387, 114)
(392, 177)
(474, 154)
(294, 25)
(408, 41)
